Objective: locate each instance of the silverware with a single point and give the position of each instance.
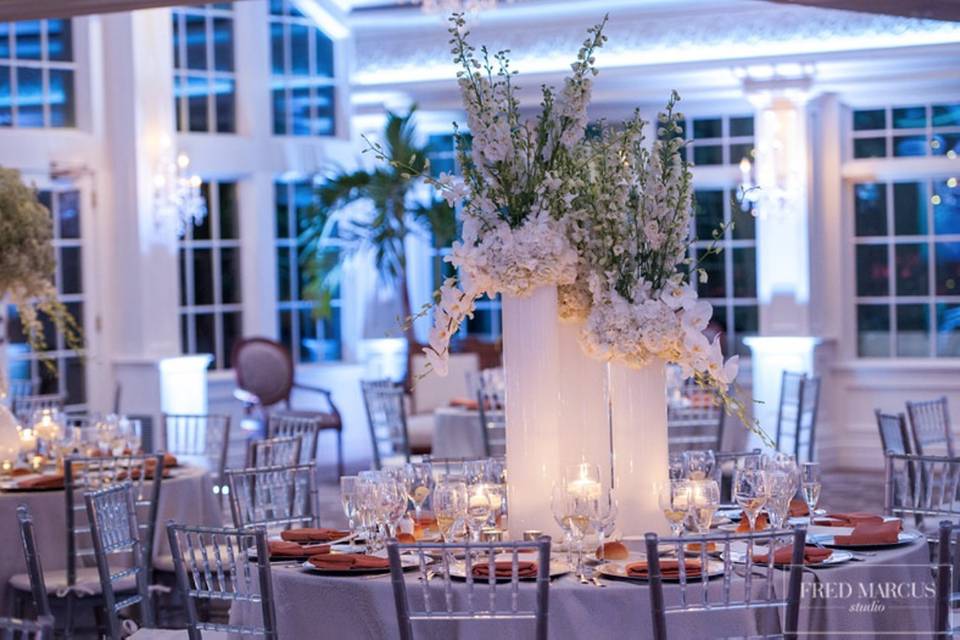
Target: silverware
(596, 581)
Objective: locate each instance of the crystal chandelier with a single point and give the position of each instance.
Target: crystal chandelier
(176, 195)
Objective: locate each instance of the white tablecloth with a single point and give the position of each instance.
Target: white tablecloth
(457, 433)
(187, 497)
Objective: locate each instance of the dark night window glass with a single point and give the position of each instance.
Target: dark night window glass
(948, 330)
(946, 115)
(746, 323)
(71, 270)
(744, 223)
(69, 214)
(4, 40)
(197, 103)
(196, 40)
(740, 151)
(948, 268)
(944, 143)
(284, 289)
(868, 119)
(946, 207)
(225, 101)
(707, 154)
(232, 330)
(708, 128)
(276, 48)
(324, 51)
(873, 272)
(913, 330)
(709, 212)
(873, 330)
(324, 123)
(907, 146)
(28, 41)
(300, 111)
(205, 334)
(910, 208)
(230, 275)
(910, 118)
(59, 40)
(202, 277)
(715, 287)
(299, 50)
(745, 272)
(911, 265)
(29, 97)
(870, 209)
(869, 147)
(223, 44)
(61, 98)
(6, 110)
(741, 126)
(279, 112)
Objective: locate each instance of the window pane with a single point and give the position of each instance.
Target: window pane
(741, 126)
(68, 212)
(311, 347)
(6, 106)
(744, 223)
(196, 37)
(945, 143)
(910, 208)
(869, 119)
(276, 7)
(300, 111)
(873, 330)
(948, 330)
(197, 104)
(870, 209)
(323, 123)
(5, 39)
(948, 268)
(282, 209)
(276, 48)
(225, 104)
(286, 330)
(715, 287)
(229, 228)
(746, 323)
(324, 55)
(59, 40)
(740, 151)
(49, 377)
(230, 275)
(946, 115)
(28, 39)
(232, 330)
(905, 146)
(709, 212)
(61, 98)
(223, 44)
(745, 273)
(71, 270)
(284, 288)
(279, 112)
(913, 330)
(29, 97)
(708, 154)
(910, 118)
(299, 49)
(303, 200)
(175, 17)
(869, 147)
(202, 231)
(202, 277)
(206, 338)
(946, 207)
(75, 381)
(481, 324)
(183, 281)
(912, 269)
(708, 128)
(872, 270)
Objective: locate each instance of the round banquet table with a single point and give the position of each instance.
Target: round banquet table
(185, 497)
(456, 433)
(347, 608)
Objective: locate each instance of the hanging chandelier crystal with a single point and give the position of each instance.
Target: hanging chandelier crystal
(176, 195)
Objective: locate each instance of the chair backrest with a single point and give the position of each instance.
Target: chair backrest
(697, 420)
(893, 432)
(947, 576)
(265, 368)
(307, 428)
(788, 411)
(116, 536)
(922, 486)
(201, 438)
(31, 557)
(491, 403)
(387, 419)
(930, 424)
(276, 498)
(486, 600)
(761, 586)
(83, 475)
(13, 629)
(24, 406)
(274, 452)
(805, 443)
(214, 564)
(725, 466)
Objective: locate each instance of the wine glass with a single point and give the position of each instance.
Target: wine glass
(704, 501)
(810, 483)
(449, 506)
(417, 482)
(479, 508)
(779, 493)
(676, 466)
(699, 464)
(558, 506)
(750, 492)
(348, 498)
(606, 519)
(674, 502)
(785, 463)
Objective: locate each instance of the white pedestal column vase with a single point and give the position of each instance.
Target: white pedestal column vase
(638, 405)
(532, 372)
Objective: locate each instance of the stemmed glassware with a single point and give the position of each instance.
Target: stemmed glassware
(417, 482)
(675, 504)
(479, 508)
(605, 520)
(810, 484)
(677, 467)
(348, 498)
(449, 506)
(750, 492)
(780, 490)
(704, 500)
(699, 464)
(367, 488)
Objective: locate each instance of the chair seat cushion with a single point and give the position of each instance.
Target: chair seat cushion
(420, 431)
(174, 634)
(87, 582)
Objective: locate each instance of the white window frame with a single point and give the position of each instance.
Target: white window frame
(888, 133)
(183, 73)
(44, 65)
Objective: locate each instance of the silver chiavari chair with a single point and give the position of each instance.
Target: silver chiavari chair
(199, 438)
(930, 424)
(947, 573)
(493, 420)
(484, 600)
(121, 554)
(31, 557)
(761, 587)
(214, 564)
(281, 425)
(922, 487)
(384, 403)
(16, 629)
(893, 432)
(274, 452)
(698, 422)
(24, 406)
(277, 498)
(797, 415)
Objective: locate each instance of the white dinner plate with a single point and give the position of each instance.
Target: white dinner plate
(407, 562)
(837, 557)
(558, 567)
(618, 571)
(905, 537)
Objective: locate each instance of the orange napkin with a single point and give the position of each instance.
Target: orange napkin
(848, 519)
(872, 533)
(762, 523)
(169, 460)
(696, 547)
(284, 549)
(504, 569)
(313, 534)
(348, 561)
(668, 569)
(53, 481)
(20, 471)
(784, 555)
(799, 508)
(465, 403)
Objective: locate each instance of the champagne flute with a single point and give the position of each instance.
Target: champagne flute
(675, 504)
(704, 501)
(810, 483)
(750, 492)
(417, 482)
(449, 506)
(348, 498)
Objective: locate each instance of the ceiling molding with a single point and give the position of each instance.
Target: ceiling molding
(13, 10)
(928, 9)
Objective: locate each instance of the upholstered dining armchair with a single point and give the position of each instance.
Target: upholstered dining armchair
(265, 379)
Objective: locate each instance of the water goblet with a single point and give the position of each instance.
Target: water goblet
(606, 520)
(479, 507)
(698, 464)
(779, 493)
(449, 506)
(704, 501)
(675, 504)
(750, 492)
(417, 482)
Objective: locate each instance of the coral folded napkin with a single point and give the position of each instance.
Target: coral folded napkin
(798, 508)
(313, 534)
(872, 533)
(504, 569)
(669, 569)
(465, 403)
(52, 481)
(348, 562)
(848, 519)
(762, 523)
(784, 555)
(284, 549)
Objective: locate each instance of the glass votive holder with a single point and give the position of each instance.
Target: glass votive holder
(532, 535)
(490, 534)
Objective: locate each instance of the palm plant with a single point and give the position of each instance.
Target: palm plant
(333, 231)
